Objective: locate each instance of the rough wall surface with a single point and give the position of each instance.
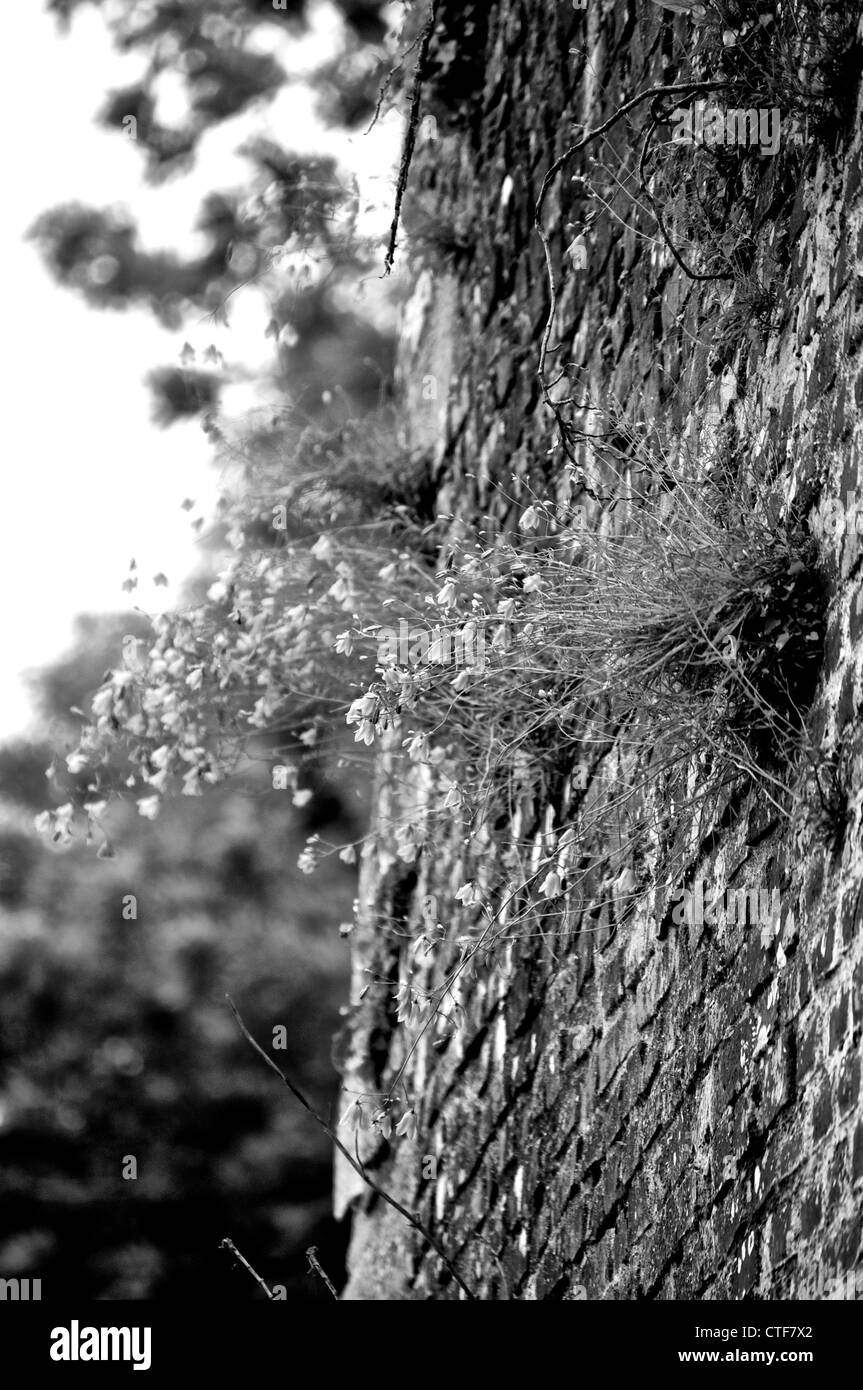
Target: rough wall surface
(638, 1109)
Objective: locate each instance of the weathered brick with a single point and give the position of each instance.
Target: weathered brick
(683, 1105)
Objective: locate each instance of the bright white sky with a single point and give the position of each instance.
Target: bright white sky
(88, 482)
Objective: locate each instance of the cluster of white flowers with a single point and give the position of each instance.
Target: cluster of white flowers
(266, 634)
(365, 1112)
(303, 617)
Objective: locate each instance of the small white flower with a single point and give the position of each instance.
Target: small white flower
(192, 783)
(404, 999)
(533, 584)
(506, 607)
(148, 807)
(345, 643)
(323, 548)
(348, 855)
(354, 1116)
(383, 1123)
(195, 678)
(551, 885)
(302, 798)
(407, 837)
(577, 252)
(308, 861)
(102, 702)
(77, 761)
(624, 885)
(407, 1125)
(461, 682)
(417, 747)
(217, 592)
(446, 597)
(469, 894)
(529, 519)
(340, 591)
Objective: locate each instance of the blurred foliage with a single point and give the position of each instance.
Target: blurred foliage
(214, 48)
(180, 391)
(290, 229)
(115, 1038)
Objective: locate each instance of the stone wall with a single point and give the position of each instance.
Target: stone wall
(639, 1109)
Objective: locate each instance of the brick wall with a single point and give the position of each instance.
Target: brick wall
(640, 1108)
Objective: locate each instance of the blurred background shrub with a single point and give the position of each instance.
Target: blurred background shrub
(115, 1039)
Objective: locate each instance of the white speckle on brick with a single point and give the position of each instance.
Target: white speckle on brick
(440, 1197)
(500, 1039)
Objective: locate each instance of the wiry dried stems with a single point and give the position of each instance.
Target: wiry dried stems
(650, 93)
(316, 1267)
(229, 1245)
(409, 1216)
(660, 220)
(410, 134)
